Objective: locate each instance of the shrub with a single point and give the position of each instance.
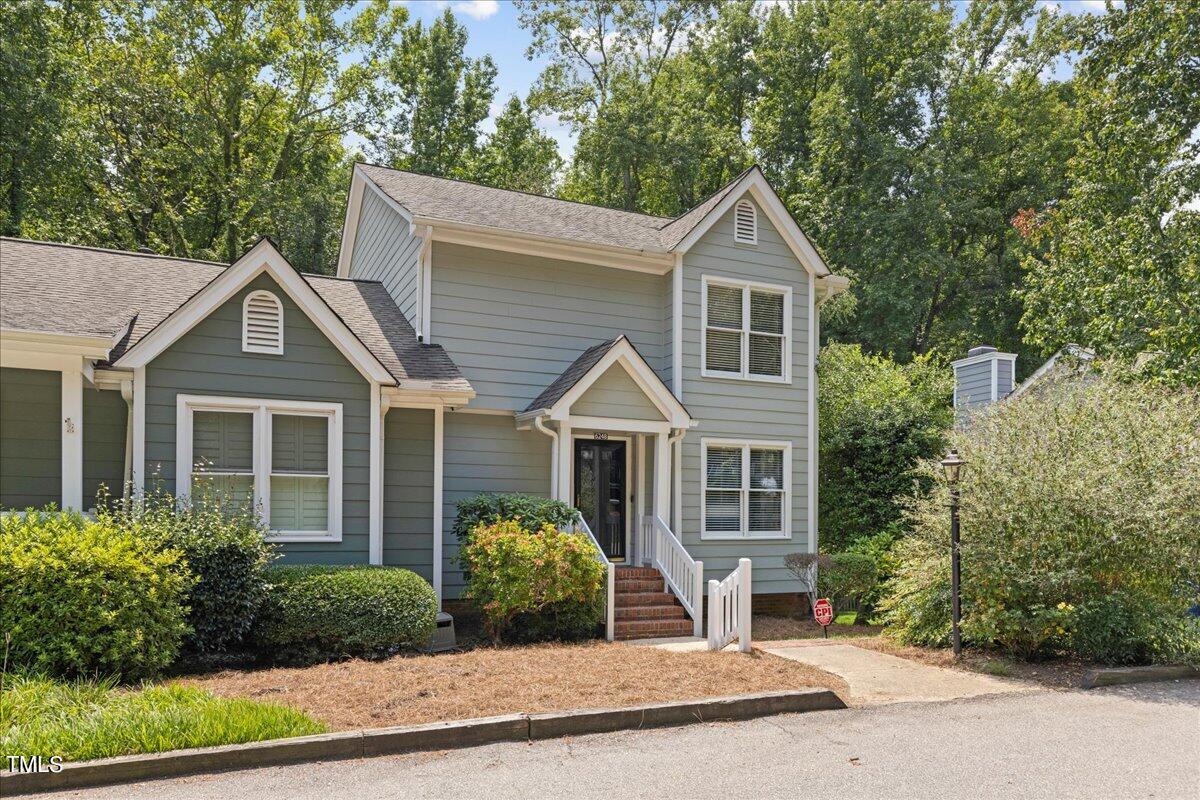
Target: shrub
(879, 419)
(848, 577)
(319, 612)
(226, 550)
(1080, 526)
(85, 720)
(85, 598)
(513, 572)
(530, 511)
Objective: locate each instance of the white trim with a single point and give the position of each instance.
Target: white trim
(263, 409)
(71, 429)
(738, 236)
(14, 340)
(139, 430)
(426, 283)
(360, 182)
(619, 424)
(814, 345)
(260, 259)
(677, 327)
(744, 534)
(375, 531)
(746, 288)
(756, 184)
(662, 476)
(439, 423)
(247, 345)
(965, 362)
(995, 379)
(629, 485)
(639, 496)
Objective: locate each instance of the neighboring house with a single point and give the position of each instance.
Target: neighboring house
(986, 376)
(657, 373)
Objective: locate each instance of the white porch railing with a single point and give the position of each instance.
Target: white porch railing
(729, 609)
(682, 574)
(610, 579)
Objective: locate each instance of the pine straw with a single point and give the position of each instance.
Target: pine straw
(771, 628)
(490, 681)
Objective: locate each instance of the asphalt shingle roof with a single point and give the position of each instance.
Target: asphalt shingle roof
(58, 288)
(571, 375)
(475, 204)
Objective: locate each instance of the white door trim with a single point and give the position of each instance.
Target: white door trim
(629, 481)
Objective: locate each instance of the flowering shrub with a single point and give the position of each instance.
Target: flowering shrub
(515, 572)
(1080, 527)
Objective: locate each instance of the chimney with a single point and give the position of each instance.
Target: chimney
(983, 377)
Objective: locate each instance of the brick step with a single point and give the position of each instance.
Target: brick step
(650, 612)
(626, 599)
(651, 628)
(638, 572)
(638, 585)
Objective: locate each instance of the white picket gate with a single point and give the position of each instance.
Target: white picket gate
(729, 609)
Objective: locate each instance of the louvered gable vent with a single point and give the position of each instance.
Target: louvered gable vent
(262, 324)
(745, 223)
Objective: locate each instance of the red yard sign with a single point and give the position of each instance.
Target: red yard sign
(823, 612)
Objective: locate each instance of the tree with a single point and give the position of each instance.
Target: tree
(518, 155)
(1115, 264)
(440, 98)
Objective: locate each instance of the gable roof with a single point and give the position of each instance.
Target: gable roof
(555, 400)
(68, 289)
(433, 200)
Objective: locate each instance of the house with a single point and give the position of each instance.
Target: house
(657, 373)
(986, 376)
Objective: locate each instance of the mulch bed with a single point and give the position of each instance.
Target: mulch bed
(488, 681)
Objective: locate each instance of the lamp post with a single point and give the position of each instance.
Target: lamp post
(953, 465)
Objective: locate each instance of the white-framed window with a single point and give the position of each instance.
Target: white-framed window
(262, 323)
(747, 489)
(747, 330)
(281, 457)
(745, 223)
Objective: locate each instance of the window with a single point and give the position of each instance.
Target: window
(281, 457)
(745, 223)
(747, 486)
(747, 334)
(262, 324)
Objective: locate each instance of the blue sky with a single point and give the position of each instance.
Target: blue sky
(493, 30)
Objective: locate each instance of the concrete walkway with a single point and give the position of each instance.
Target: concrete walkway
(876, 678)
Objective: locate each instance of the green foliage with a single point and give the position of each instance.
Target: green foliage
(87, 719)
(87, 598)
(1080, 526)
(514, 572)
(1115, 265)
(225, 549)
(518, 156)
(530, 511)
(848, 577)
(879, 419)
(314, 613)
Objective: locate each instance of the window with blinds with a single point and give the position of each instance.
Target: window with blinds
(262, 324)
(299, 472)
(745, 223)
(746, 334)
(223, 457)
(746, 489)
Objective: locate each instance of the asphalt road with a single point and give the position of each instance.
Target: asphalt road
(1123, 742)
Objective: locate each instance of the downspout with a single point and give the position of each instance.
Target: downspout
(553, 434)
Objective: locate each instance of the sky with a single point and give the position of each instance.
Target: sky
(493, 30)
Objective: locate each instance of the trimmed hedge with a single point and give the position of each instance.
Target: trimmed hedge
(83, 598)
(315, 613)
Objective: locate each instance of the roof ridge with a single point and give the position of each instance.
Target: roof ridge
(725, 188)
(519, 191)
(95, 249)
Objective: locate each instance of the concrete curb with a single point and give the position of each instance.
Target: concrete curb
(412, 738)
(1115, 676)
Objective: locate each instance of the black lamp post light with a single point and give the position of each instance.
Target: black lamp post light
(953, 466)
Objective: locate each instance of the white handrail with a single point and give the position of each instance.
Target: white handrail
(729, 609)
(682, 574)
(610, 578)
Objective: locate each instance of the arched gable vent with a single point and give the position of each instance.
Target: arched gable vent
(262, 324)
(745, 223)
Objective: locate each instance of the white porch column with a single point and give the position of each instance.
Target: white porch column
(72, 439)
(662, 477)
(643, 548)
(379, 408)
(139, 430)
(438, 461)
(565, 459)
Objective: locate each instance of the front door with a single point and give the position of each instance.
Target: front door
(600, 492)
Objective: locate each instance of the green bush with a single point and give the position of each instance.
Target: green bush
(531, 511)
(315, 613)
(1080, 527)
(879, 419)
(89, 719)
(226, 550)
(514, 573)
(848, 577)
(84, 598)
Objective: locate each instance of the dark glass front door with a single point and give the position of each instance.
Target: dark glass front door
(600, 492)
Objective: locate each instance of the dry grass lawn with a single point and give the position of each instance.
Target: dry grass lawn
(769, 629)
(490, 681)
